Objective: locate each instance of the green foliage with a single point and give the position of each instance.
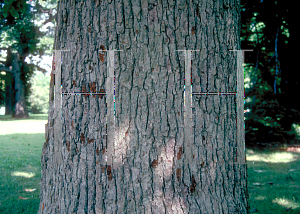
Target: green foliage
(39, 97)
(266, 30)
(45, 45)
(21, 29)
(14, 8)
(18, 33)
(264, 123)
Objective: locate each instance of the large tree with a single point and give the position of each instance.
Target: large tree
(148, 157)
(21, 38)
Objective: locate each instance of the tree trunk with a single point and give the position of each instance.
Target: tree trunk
(8, 99)
(20, 108)
(148, 157)
(8, 78)
(15, 92)
(19, 103)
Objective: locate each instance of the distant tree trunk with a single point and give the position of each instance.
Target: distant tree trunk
(15, 96)
(276, 61)
(8, 99)
(147, 167)
(20, 108)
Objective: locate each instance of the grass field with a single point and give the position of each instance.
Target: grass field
(273, 174)
(21, 144)
(273, 180)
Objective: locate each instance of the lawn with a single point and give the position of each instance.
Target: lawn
(21, 143)
(273, 174)
(273, 180)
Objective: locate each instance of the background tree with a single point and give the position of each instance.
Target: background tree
(150, 172)
(21, 38)
(270, 83)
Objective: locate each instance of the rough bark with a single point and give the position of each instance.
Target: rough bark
(15, 93)
(8, 99)
(150, 173)
(20, 108)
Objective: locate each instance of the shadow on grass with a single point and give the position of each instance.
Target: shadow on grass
(273, 180)
(20, 170)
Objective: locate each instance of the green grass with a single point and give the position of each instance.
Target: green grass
(273, 179)
(21, 144)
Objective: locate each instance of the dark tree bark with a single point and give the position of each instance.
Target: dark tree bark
(8, 98)
(15, 96)
(20, 108)
(150, 167)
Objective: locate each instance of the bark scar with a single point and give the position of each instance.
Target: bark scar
(84, 90)
(101, 57)
(93, 87)
(179, 154)
(68, 145)
(82, 137)
(193, 31)
(101, 91)
(193, 185)
(109, 174)
(178, 173)
(154, 163)
(52, 79)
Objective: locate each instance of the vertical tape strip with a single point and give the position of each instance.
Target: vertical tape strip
(57, 82)
(188, 108)
(57, 90)
(110, 107)
(240, 108)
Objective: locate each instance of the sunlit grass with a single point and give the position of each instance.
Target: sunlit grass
(32, 125)
(260, 197)
(30, 190)
(21, 143)
(286, 203)
(283, 157)
(273, 181)
(23, 174)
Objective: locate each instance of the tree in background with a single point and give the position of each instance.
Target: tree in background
(270, 84)
(21, 38)
(6, 91)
